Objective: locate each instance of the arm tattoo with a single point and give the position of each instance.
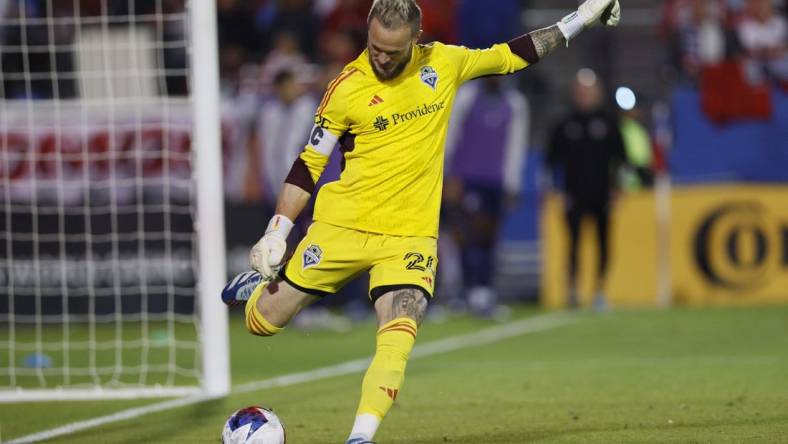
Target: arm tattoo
(547, 39)
(411, 303)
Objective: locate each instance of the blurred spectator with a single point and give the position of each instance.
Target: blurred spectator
(680, 13)
(699, 39)
(637, 173)
(485, 154)
(285, 54)
(587, 148)
(764, 38)
(485, 23)
(286, 118)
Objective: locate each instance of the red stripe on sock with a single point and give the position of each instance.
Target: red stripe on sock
(409, 331)
(258, 328)
(399, 326)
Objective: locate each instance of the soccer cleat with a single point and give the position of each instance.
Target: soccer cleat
(358, 441)
(240, 289)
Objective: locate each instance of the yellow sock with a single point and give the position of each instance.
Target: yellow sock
(255, 322)
(385, 374)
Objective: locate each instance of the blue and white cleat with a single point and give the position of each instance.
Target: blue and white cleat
(358, 441)
(240, 289)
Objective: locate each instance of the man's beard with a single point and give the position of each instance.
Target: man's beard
(395, 72)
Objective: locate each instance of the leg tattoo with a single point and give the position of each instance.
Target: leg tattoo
(409, 302)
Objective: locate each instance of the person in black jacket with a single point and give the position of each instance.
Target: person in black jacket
(586, 149)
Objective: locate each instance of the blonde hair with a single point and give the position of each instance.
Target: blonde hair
(396, 13)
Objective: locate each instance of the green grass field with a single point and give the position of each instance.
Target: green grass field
(678, 376)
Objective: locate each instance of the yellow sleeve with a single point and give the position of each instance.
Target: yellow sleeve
(332, 112)
(331, 123)
(473, 63)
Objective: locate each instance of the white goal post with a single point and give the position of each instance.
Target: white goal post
(207, 139)
(112, 252)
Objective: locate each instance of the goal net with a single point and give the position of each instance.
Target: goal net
(107, 164)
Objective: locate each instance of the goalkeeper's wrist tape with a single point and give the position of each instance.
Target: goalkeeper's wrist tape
(571, 25)
(280, 224)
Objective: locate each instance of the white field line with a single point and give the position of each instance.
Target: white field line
(486, 336)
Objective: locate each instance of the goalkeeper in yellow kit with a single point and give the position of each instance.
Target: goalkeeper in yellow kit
(388, 111)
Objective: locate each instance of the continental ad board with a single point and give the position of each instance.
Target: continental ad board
(719, 244)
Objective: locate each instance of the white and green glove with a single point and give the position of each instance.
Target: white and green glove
(591, 13)
(268, 253)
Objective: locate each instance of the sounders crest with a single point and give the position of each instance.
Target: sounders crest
(429, 76)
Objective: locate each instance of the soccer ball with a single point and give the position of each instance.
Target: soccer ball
(253, 425)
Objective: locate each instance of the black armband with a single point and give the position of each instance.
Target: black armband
(523, 47)
(299, 176)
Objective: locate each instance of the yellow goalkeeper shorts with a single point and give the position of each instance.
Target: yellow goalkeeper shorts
(329, 257)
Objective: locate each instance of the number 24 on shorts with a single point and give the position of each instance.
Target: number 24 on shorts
(414, 261)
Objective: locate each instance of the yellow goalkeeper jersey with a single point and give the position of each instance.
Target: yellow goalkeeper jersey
(392, 136)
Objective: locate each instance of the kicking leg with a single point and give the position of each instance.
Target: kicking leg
(399, 314)
(273, 305)
(269, 306)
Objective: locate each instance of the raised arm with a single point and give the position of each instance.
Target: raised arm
(527, 49)
(535, 45)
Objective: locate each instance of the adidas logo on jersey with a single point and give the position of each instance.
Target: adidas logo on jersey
(375, 100)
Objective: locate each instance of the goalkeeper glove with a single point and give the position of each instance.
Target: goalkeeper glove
(591, 13)
(268, 253)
